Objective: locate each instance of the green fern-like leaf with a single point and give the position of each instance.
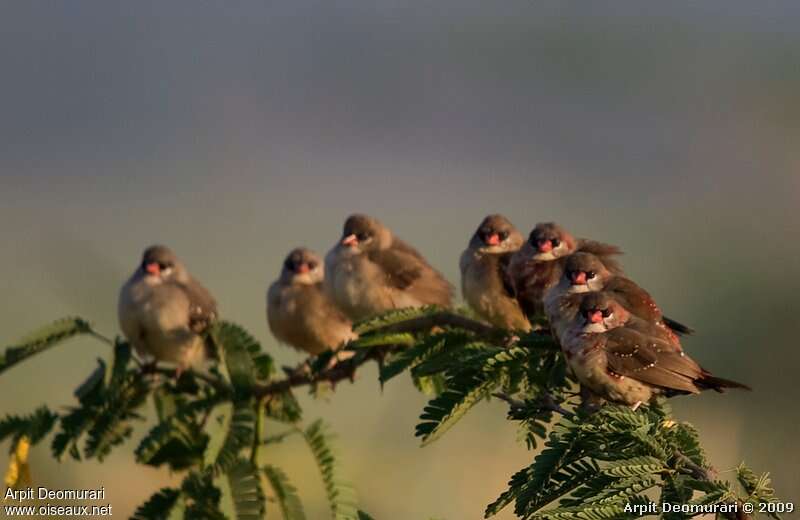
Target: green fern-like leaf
(235, 432)
(410, 357)
(285, 494)
(444, 411)
(34, 426)
(202, 497)
(284, 408)
(166, 504)
(561, 448)
(177, 441)
(72, 426)
(245, 486)
(634, 467)
(378, 340)
(41, 340)
(465, 389)
(341, 495)
(239, 349)
(587, 512)
(392, 318)
(110, 424)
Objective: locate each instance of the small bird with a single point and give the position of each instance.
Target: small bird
(299, 312)
(485, 282)
(629, 364)
(371, 271)
(163, 310)
(584, 272)
(538, 265)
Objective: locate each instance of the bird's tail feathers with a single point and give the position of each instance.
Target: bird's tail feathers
(677, 327)
(707, 381)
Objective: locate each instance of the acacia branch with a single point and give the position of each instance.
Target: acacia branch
(346, 369)
(707, 475)
(302, 375)
(545, 402)
(447, 319)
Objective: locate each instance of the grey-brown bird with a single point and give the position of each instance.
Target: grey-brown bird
(585, 272)
(485, 281)
(370, 271)
(163, 310)
(299, 311)
(539, 263)
(630, 364)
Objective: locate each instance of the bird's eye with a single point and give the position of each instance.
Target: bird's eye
(164, 265)
(590, 275)
(606, 312)
(503, 235)
(556, 242)
(362, 236)
(312, 265)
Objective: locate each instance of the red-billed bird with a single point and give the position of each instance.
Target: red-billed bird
(538, 265)
(163, 310)
(299, 312)
(629, 361)
(370, 271)
(485, 282)
(584, 272)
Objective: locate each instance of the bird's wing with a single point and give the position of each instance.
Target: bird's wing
(635, 299)
(639, 303)
(503, 269)
(641, 357)
(401, 264)
(605, 252)
(202, 306)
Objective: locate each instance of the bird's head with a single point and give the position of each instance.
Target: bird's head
(302, 266)
(600, 312)
(549, 241)
(159, 264)
(496, 234)
(584, 272)
(363, 233)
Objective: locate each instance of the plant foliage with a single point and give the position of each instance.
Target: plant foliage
(210, 426)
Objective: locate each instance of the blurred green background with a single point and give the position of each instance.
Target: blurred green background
(235, 132)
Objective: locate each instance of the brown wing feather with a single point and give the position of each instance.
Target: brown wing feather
(640, 357)
(406, 269)
(401, 264)
(605, 252)
(533, 281)
(503, 263)
(635, 299)
(202, 306)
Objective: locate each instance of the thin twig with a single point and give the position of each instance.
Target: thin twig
(342, 370)
(707, 475)
(545, 401)
(447, 319)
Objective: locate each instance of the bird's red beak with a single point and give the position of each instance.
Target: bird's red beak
(578, 278)
(493, 239)
(595, 316)
(544, 246)
(303, 268)
(153, 269)
(349, 240)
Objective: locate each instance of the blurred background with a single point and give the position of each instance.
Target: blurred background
(235, 132)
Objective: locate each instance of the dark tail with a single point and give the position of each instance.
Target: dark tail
(718, 384)
(677, 327)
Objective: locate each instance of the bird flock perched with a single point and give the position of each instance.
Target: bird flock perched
(616, 341)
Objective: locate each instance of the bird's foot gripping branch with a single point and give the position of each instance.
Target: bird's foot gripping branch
(613, 463)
